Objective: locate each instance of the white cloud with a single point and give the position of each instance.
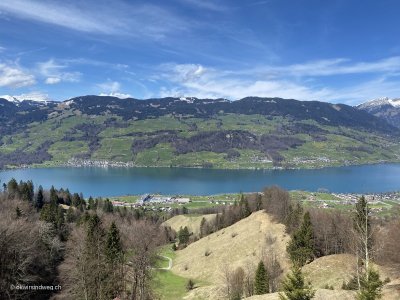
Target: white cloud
(54, 72)
(2, 49)
(113, 89)
(197, 80)
(120, 18)
(14, 76)
(205, 4)
(52, 80)
(118, 95)
(329, 67)
(110, 86)
(295, 81)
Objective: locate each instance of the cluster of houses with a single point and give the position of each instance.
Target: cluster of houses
(351, 199)
(148, 199)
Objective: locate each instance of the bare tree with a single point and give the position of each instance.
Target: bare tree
(234, 282)
(142, 238)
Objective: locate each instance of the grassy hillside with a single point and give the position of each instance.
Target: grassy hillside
(250, 133)
(241, 244)
(192, 222)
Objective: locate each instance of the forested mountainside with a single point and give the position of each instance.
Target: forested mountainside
(249, 133)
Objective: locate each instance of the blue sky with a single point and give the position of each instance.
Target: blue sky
(338, 51)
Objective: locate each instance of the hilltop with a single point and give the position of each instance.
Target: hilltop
(251, 132)
(191, 222)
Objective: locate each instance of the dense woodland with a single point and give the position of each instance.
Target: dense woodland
(96, 251)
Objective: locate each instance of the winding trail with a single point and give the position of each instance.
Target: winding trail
(169, 263)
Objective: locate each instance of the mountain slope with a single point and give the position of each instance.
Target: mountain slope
(249, 133)
(384, 108)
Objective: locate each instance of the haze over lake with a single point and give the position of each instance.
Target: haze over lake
(96, 181)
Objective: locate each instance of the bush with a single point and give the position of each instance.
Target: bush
(351, 285)
(190, 285)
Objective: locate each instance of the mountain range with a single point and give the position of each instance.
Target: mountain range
(384, 108)
(252, 132)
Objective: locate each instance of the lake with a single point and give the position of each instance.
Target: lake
(96, 181)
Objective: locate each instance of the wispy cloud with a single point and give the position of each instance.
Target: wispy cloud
(55, 72)
(112, 88)
(298, 81)
(96, 63)
(120, 18)
(14, 76)
(206, 4)
(329, 67)
(197, 80)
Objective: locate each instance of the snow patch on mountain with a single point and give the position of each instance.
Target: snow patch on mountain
(36, 97)
(380, 102)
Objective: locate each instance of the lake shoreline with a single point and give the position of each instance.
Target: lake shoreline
(116, 181)
(129, 165)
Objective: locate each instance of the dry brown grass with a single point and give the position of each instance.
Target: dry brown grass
(234, 246)
(330, 270)
(334, 269)
(244, 241)
(192, 222)
(320, 294)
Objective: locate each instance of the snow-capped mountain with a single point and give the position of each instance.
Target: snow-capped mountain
(380, 102)
(35, 97)
(385, 108)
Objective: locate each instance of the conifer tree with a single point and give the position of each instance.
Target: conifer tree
(370, 286)
(244, 207)
(69, 217)
(94, 259)
(295, 288)
(53, 196)
(183, 235)
(31, 191)
(113, 244)
(115, 262)
(261, 280)
(91, 203)
(68, 199)
(12, 188)
(301, 246)
(39, 198)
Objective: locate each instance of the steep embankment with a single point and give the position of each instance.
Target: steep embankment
(240, 245)
(192, 222)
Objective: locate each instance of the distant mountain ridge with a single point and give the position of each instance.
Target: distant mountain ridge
(385, 108)
(251, 132)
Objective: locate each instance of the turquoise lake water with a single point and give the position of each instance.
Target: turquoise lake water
(97, 181)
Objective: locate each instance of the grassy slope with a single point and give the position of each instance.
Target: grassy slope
(238, 245)
(115, 143)
(192, 222)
